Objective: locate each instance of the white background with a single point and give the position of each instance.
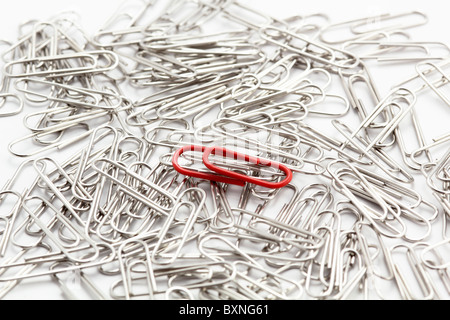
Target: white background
(95, 12)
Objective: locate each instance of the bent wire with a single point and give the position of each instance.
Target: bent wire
(228, 176)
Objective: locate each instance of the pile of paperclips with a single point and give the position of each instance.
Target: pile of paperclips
(98, 195)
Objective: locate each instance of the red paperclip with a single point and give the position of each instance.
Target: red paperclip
(255, 160)
(227, 176)
(197, 174)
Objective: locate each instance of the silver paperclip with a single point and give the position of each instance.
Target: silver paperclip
(445, 79)
(360, 27)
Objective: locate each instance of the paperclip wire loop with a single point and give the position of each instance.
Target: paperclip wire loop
(254, 160)
(227, 176)
(198, 174)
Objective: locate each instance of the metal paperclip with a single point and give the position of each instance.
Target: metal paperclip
(407, 154)
(127, 264)
(81, 175)
(220, 126)
(152, 202)
(181, 292)
(440, 174)
(346, 288)
(312, 23)
(438, 250)
(329, 143)
(278, 69)
(91, 64)
(50, 184)
(216, 245)
(375, 156)
(166, 245)
(315, 51)
(377, 23)
(194, 40)
(23, 272)
(305, 205)
(421, 276)
(326, 261)
(7, 97)
(408, 215)
(83, 97)
(200, 14)
(436, 144)
(443, 274)
(417, 80)
(9, 219)
(268, 285)
(362, 229)
(79, 275)
(31, 39)
(379, 220)
(60, 129)
(400, 50)
(289, 235)
(266, 95)
(203, 274)
(124, 11)
(34, 262)
(393, 100)
(75, 252)
(445, 79)
(112, 34)
(185, 88)
(354, 34)
(356, 99)
(61, 118)
(227, 11)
